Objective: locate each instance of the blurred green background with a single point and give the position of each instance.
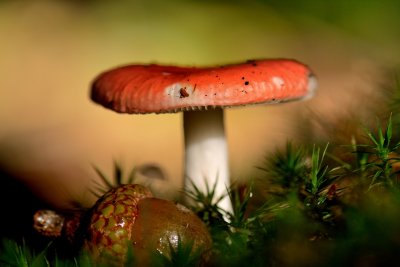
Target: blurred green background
(50, 51)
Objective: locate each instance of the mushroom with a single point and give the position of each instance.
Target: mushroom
(202, 94)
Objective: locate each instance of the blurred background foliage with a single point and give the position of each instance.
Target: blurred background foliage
(51, 133)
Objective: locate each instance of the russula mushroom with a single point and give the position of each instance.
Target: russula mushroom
(202, 94)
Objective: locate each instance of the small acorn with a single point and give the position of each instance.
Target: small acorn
(128, 217)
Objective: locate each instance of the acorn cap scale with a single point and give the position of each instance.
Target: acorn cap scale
(111, 220)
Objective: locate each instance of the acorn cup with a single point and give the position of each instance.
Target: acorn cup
(125, 221)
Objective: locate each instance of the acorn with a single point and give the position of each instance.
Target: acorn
(128, 217)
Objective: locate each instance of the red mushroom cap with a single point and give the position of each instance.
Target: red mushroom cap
(163, 89)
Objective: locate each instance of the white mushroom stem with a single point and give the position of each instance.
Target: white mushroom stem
(206, 153)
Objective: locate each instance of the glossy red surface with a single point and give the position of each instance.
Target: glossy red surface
(162, 89)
